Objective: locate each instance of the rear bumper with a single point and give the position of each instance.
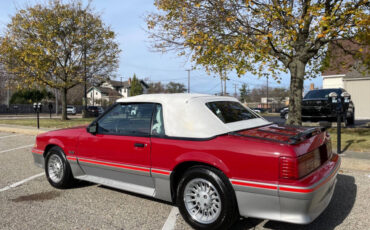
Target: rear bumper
(299, 205)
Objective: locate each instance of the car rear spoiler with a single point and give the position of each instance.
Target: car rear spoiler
(306, 134)
(294, 139)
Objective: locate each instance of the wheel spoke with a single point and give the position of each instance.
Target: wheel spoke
(55, 168)
(203, 202)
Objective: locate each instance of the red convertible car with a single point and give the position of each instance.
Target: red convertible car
(213, 157)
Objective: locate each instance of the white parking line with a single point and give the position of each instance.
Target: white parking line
(10, 136)
(22, 147)
(171, 219)
(21, 182)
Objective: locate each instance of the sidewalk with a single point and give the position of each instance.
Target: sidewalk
(356, 160)
(29, 130)
(350, 160)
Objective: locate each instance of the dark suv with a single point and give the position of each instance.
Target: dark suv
(316, 106)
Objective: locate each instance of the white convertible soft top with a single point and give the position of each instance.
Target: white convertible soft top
(186, 115)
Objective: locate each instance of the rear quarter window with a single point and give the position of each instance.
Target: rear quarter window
(230, 111)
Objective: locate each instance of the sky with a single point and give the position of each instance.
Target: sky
(127, 20)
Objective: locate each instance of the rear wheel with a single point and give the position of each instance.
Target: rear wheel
(350, 120)
(206, 200)
(57, 169)
(286, 116)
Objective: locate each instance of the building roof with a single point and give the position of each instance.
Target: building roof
(119, 83)
(106, 91)
(186, 115)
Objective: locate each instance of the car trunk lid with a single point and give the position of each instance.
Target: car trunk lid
(284, 134)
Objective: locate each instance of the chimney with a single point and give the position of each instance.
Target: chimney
(129, 81)
(312, 86)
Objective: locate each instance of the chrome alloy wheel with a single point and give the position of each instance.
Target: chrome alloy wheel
(202, 201)
(55, 168)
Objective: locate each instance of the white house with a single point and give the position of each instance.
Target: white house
(108, 92)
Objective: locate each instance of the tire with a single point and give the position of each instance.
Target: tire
(57, 169)
(286, 116)
(350, 120)
(202, 183)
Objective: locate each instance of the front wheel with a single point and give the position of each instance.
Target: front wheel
(57, 169)
(206, 200)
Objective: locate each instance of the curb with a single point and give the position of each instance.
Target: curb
(32, 132)
(355, 164)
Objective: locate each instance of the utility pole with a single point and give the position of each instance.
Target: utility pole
(84, 111)
(267, 94)
(188, 80)
(56, 102)
(8, 91)
(222, 87)
(225, 78)
(235, 90)
(8, 96)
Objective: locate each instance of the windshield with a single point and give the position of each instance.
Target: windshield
(322, 93)
(230, 111)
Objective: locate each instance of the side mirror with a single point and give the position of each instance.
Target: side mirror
(93, 128)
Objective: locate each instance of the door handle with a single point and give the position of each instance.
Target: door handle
(139, 145)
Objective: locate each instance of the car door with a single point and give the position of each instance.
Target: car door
(118, 154)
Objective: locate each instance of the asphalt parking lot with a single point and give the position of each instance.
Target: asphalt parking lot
(27, 201)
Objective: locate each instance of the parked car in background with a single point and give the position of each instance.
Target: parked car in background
(93, 111)
(316, 106)
(284, 113)
(101, 110)
(257, 110)
(71, 110)
(211, 156)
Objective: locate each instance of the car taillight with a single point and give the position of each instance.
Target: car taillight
(295, 168)
(288, 168)
(308, 162)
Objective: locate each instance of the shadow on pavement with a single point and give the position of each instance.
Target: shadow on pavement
(350, 142)
(337, 211)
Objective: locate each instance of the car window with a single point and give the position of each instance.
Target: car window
(230, 111)
(322, 93)
(127, 119)
(158, 125)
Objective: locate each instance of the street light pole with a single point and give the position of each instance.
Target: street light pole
(84, 112)
(188, 80)
(267, 94)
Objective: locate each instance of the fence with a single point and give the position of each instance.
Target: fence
(28, 108)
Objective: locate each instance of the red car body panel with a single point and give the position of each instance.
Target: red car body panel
(115, 149)
(249, 159)
(238, 157)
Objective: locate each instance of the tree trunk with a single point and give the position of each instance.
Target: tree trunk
(64, 104)
(297, 72)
